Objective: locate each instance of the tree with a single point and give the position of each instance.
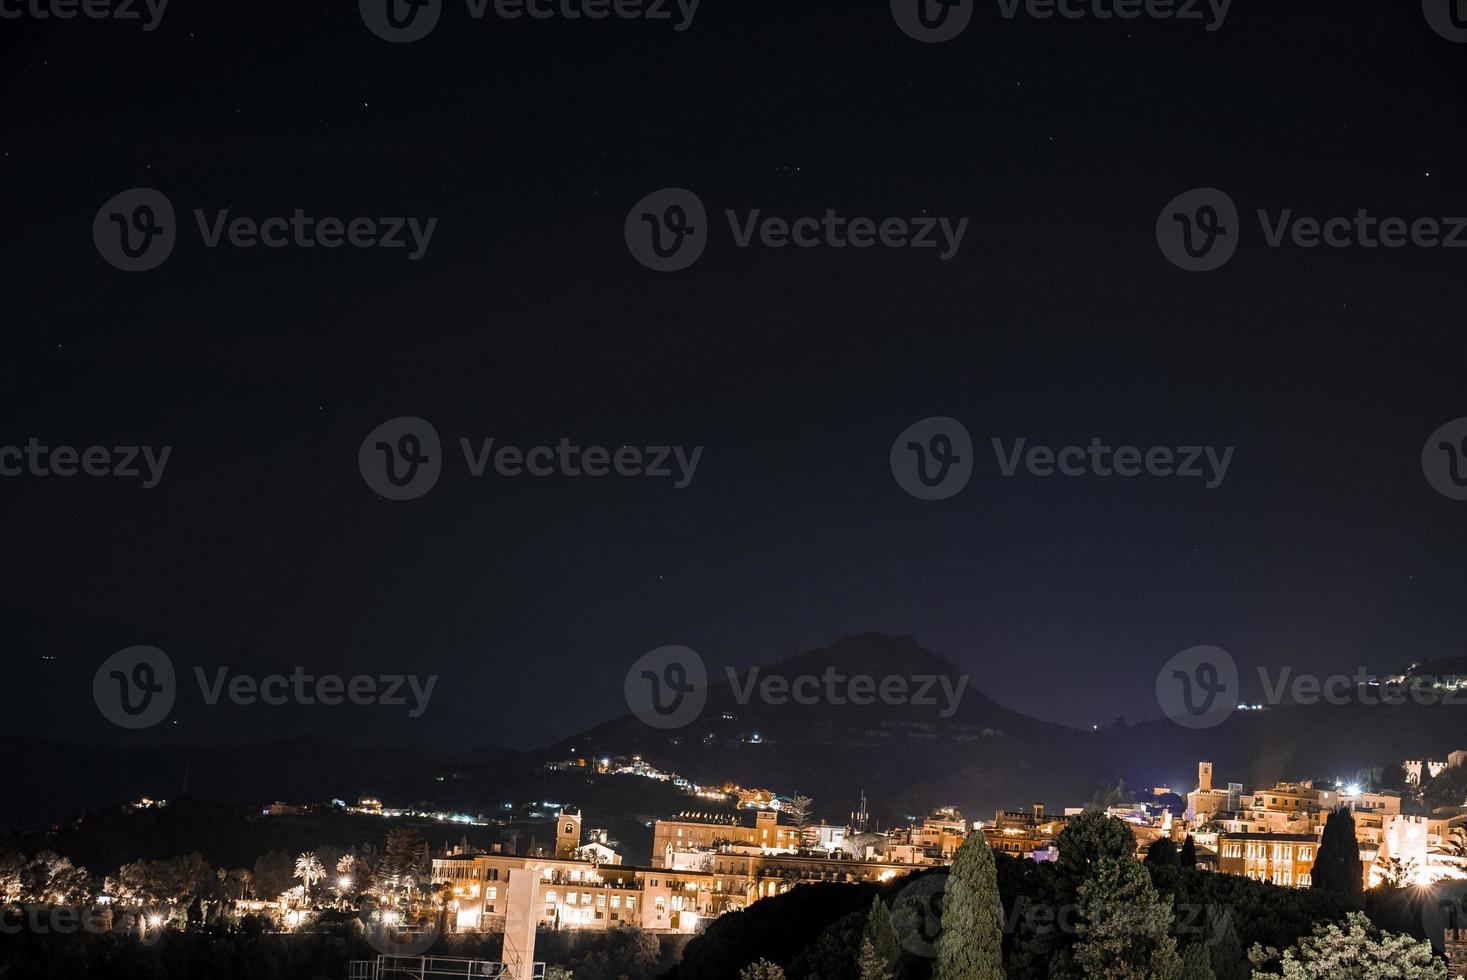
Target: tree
(798, 810)
(1359, 949)
(880, 933)
(1124, 929)
(403, 861)
(309, 870)
(1196, 963)
(1226, 952)
(1163, 853)
(1107, 796)
(1086, 839)
(871, 965)
(970, 946)
(1188, 857)
(1337, 866)
(761, 969)
(272, 875)
(1395, 873)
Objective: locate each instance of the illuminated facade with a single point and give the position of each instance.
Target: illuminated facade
(1284, 859)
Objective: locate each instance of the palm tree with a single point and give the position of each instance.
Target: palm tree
(308, 869)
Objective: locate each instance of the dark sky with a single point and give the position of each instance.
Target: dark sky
(528, 319)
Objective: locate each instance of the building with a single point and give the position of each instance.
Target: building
(1284, 859)
(1206, 800)
(1025, 833)
(941, 833)
(708, 832)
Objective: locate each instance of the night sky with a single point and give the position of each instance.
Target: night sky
(528, 320)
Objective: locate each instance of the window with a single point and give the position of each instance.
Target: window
(491, 893)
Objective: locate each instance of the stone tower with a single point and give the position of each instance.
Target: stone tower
(567, 834)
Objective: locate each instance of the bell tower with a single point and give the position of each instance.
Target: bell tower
(567, 834)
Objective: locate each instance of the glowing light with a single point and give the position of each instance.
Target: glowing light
(343, 882)
(390, 918)
(155, 920)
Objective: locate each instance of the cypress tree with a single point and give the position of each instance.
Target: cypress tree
(1337, 866)
(970, 946)
(1162, 853)
(1125, 927)
(1188, 857)
(1196, 964)
(881, 934)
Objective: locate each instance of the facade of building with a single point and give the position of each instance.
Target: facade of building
(707, 832)
(1024, 833)
(1284, 859)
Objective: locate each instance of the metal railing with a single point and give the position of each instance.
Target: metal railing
(425, 967)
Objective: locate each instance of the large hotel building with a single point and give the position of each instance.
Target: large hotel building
(702, 866)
